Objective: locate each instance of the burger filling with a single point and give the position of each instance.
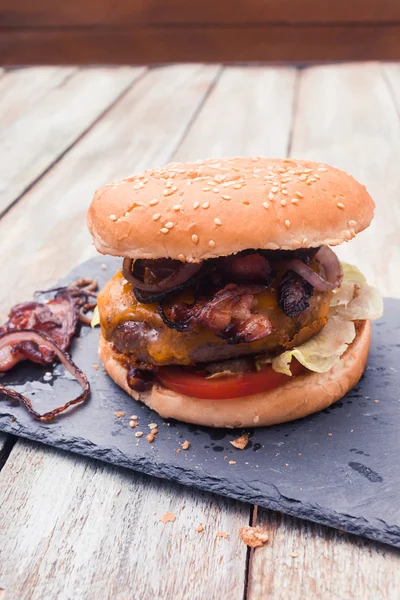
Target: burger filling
(199, 328)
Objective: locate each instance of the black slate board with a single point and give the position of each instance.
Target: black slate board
(348, 480)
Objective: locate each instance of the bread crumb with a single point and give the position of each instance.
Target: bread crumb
(293, 554)
(134, 418)
(104, 267)
(241, 442)
(133, 424)
(153, 425)
(169, 517)
(178, 451)
(139, 433)
(330, 434)
(253, 536)
(151, 436)
(199, 528)
(185, 445)
(222, 534)
(119, 413)
(376, 401)
(232, 462)
(95, 366)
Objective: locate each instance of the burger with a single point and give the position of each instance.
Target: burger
(230, 308)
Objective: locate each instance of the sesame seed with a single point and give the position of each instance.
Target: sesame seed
(182, 257)
(282, 170)
(284, 191)
(304, 241)
(212, 183)
(274, 189)
(340, 205)
(206, 189)
(177, 207)
(307, 170)
(169, 225)
(294, 200)
(153, 202)
(316, 176)
(195, 239)
(283, 202)
(226, 197)
(265, 205)
(217, 221)
(303, 177)
(352, 223)
(113, 218)
(127, 214)
(311, 180)
(215, 190)
(237, 186)
(299, 194)
(164, 230)
(287, 223)
(212, 244)
(322, 169)
(206, 205)
(271, 196)
(156, 216)
(196, 205)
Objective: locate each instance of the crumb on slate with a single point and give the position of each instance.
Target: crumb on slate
(293, 554)
(169, 517)
(376, 401)
(139, 433)
(253, 536)
(199, 528)
(240, 442)
(232, 462)
(178, 451)
(151, 436)
(133, 424)
(134, 418)
(153, 425)
(95, 366)
(119, 414)
(185, 445)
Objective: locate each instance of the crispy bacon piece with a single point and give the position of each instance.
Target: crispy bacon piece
(294, 294)
(57, 319)
(228, 314)
(253, 266)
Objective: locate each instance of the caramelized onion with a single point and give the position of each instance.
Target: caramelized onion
(30, 335)
(184, 272)
(332, 268)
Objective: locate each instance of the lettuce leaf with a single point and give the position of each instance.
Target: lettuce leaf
(319, 353)
(95, 318)
(354, 300)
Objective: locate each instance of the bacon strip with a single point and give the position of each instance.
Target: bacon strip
(228, 314)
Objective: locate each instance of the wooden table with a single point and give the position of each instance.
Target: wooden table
(77, 529)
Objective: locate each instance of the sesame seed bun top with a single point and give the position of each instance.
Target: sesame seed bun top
(194, 211)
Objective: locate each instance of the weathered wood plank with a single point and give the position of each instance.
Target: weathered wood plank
(20, 89)
(81, 529)
(345, 116)
(137, 44)
(329, 564)
(3, 438)
(107, 12)
(45, 131)
(249, 112)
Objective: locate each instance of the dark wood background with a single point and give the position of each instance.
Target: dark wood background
(157, 31)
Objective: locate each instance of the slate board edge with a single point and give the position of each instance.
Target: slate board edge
(302, 510)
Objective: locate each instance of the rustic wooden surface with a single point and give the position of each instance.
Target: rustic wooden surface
(157, 44)
(73, 528)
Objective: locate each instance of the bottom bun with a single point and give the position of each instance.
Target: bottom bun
(301, 396)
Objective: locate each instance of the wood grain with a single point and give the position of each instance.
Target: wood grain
(88, 530)
(21, 89)
(134, 44)
(248, 113)
(329, 564)
(105, 12)
(346, 117)
(33, 142)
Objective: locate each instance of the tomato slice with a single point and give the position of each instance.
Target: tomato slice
(191, 382)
